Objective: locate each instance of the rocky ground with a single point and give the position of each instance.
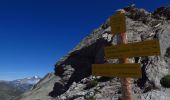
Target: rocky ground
(72, 79)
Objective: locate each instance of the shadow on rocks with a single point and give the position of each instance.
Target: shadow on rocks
(81, 61)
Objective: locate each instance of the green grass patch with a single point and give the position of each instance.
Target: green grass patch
(165, 81)
(91, 84)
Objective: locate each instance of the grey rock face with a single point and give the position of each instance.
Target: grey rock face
(156, 95)
(159, 66)
(81, 61)
(153, 68)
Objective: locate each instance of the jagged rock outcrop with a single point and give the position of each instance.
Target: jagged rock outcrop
(141, 26)
(162, 12)
(73, 72)
(81, 61)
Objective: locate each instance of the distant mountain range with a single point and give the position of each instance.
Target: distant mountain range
(26, 83)
(10, 89)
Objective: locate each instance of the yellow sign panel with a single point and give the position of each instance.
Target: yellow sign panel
(117, 70)
(117, 23)
(146, 48)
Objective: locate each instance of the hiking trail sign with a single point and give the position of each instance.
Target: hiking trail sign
(117, 70)
(122, 51)
(145, 48)
(117, 23)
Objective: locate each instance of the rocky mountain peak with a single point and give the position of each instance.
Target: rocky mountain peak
(72, 78)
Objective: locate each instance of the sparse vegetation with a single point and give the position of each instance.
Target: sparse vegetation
(92, 98)
(165, 81)
(119, 98)
(91, 84)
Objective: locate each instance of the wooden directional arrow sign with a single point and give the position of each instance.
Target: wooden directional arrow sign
(146, 48)
(117, 23)
(117, 70)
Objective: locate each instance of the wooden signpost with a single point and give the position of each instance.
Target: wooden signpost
(145, 48)
(122, 50)
(117, 23)
(117, 70)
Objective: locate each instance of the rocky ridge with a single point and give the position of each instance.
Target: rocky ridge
(73, 80)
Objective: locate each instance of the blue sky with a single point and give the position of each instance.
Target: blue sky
(34, 34)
